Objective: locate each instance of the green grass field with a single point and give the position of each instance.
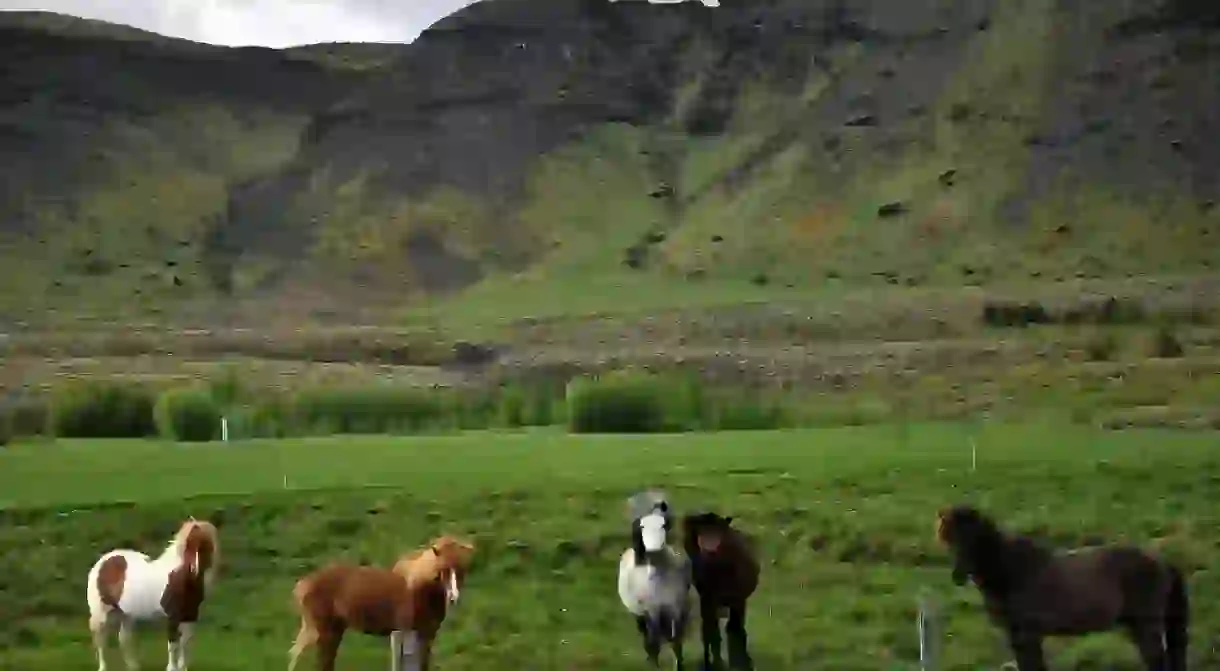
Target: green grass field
(844, 517)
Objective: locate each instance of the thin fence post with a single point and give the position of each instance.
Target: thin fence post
(224, 429)
(928, 625)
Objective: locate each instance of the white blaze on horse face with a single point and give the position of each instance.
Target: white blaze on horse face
(652, 531)
(451, 587)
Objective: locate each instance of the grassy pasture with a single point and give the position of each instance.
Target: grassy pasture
(844, 517)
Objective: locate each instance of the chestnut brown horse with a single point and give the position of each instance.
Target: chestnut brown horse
(726, 572)
(410, 599)
(1032, 591)
(126, 587)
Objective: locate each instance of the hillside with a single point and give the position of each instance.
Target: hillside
(531, 148)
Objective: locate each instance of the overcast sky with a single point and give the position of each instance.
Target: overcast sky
(272, 23)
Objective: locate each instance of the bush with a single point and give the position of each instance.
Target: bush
(473, 410)
(745, 413)
(1014, 314)
(23, 417)
(1101, 346)
(227, 389)
(1165, 345)
(371, 410)
(525, 405)
(632, 402)
(102, 410)
(188, 415)
(269, 418)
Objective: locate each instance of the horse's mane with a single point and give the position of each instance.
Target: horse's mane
(999, 559)
(731, 536)
(425, 565)
(177, 545)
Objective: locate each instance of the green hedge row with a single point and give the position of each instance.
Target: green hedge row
(617, 402)
(642, 402)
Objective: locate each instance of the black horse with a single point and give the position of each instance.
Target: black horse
(1032, 591)
(726, 570)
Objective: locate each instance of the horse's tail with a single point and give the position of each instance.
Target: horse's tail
(300, 592)
(307, 635)
(1177, 621)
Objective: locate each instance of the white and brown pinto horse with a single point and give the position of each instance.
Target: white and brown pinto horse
(126, 587)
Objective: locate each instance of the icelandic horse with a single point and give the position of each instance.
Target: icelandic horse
(126, 587)
(726, 571)
(409, 599)
(1032, 591)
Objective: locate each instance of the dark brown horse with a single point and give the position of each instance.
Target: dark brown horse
(1032, 591)
(411, 598)
(725, 567)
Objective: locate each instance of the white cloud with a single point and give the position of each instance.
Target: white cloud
(272, 23)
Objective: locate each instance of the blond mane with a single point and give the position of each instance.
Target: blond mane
(177, 546)
(424, 565)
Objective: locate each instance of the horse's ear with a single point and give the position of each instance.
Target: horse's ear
(435, 550)
(728, 520)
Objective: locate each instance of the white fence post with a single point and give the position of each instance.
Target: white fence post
(224, 429)
(928, 623)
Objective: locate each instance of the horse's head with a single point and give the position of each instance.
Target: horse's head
(703, 533)
(650, 534)
(198, 544)
(972, 537)
(452, 560)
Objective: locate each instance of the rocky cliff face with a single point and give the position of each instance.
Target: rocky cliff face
(795, 142)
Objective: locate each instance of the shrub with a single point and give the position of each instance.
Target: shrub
(227, 389)
(631, 402)
(1014, 314)
(746, 413)
(510, 408)
(1101, 346)
(473, 410)
(371, 410)
(525, 405)
(1165, 345)
(102, 410)
(25, 416)
(6, 427)
(189, 415)
(269, 418)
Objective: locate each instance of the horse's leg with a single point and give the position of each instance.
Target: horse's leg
(186, 632)
(652, 639)
(1027, 648)
(127, 644)
(173, 644)
(677, 634)
(709, 619)
(735, 631)
(1150, 641)
(679, 660)
(329, 640)
(102, 625)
